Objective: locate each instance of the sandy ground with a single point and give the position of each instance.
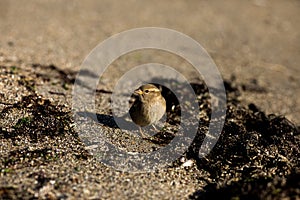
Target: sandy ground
(255, 39)
(255, 44)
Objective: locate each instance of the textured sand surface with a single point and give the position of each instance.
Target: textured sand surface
(254, 43)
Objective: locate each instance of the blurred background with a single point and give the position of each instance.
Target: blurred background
(255, 42)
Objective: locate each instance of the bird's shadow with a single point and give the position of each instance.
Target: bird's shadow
(109, 120)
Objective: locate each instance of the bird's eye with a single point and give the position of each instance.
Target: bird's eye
(146, 91)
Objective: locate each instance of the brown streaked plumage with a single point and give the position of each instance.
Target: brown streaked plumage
(149, 107)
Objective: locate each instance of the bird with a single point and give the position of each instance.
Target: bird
(149, 106)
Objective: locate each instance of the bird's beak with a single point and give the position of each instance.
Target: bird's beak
(138, 92)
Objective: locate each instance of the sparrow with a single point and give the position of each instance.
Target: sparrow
(149, 106)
